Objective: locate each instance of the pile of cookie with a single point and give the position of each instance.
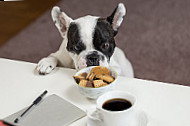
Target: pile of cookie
(98, 77)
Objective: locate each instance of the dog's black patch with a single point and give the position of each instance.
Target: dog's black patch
(103, 39)
(74, 44)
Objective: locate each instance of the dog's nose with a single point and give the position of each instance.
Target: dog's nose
(92, 60)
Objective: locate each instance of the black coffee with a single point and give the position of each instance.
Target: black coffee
(117, 104)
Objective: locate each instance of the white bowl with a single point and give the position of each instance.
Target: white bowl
(94, 93)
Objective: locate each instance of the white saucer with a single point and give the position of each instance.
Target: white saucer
(140, 119)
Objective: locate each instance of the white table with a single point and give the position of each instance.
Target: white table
(165, 104)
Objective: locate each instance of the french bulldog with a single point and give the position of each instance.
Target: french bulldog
(88, 41)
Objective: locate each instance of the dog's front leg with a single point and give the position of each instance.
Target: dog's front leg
(62, 22)
(46, 65)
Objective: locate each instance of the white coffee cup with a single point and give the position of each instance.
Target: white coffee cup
(114, 118)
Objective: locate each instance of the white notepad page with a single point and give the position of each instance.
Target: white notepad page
(52, 111)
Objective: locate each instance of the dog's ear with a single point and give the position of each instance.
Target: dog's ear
(116, 18)
(61, 20)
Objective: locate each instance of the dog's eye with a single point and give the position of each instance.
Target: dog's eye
(78, 46)
(105, 45)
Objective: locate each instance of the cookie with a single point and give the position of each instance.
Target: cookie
(99, 83)
(89, 84)
(83, 74)
(80, 77)
(90, 76)
(100, 70)
(83, 83)
(104, 84)
(106, 78)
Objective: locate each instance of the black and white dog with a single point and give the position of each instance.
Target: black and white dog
(88, 41)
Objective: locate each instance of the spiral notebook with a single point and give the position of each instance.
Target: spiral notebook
(52, 111)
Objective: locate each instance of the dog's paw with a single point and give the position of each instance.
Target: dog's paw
(46, 65)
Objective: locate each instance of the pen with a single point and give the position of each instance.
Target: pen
(35, 102)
